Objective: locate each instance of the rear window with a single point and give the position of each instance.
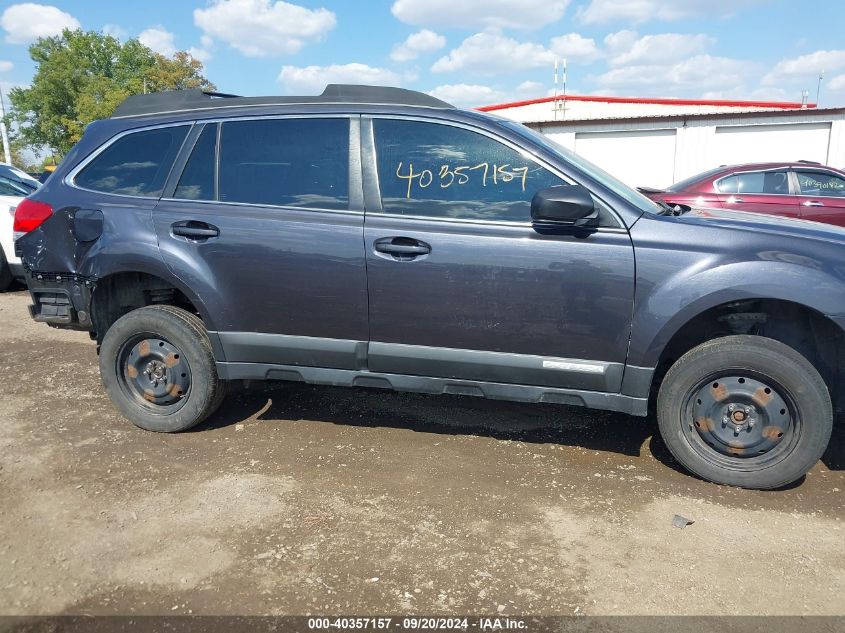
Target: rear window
(136, 164)
(682, 185)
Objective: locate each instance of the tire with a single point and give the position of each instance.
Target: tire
(158, 368)
(745, 411)
(6, 277)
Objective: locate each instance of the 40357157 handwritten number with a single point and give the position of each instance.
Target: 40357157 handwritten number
(458, 175)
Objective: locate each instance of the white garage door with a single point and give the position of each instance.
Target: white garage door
(637, 157)
(775, 143)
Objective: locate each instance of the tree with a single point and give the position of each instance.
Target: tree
(83, 76)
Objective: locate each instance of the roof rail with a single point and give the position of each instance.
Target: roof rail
(180, 100)
(809, 162)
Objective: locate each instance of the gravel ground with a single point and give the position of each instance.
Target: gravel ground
(300, 500)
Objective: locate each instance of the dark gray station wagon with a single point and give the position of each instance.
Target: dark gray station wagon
(378, 237)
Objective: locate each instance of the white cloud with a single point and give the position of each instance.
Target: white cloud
(5, 66)
(475, 95)
(574, 45)
(115, 31)
(313, 79)
(695, 76)
(491, 53)
(466, 95)
(28, 21)
(531, 87)
(259, 28)
(627, 48)
(424, 41)
(518, 14)
(637, 11)
(837, 83)
(200, 54)
(159, 40)
(206, 41)
(806, 66)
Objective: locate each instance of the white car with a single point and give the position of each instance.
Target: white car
(14, 186)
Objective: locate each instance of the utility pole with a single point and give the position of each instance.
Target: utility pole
(4, 132)
(819, 87)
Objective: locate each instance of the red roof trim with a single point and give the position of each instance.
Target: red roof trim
(785, 105)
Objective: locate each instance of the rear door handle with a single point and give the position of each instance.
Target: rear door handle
(813, 203)
(195, 230)
(402, 247)
(733, 199)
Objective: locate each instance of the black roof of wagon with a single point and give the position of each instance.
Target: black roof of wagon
(182, 100)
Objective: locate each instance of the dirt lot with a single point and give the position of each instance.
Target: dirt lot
(297, 500)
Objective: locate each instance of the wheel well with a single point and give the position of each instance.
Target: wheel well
(121, 293)
(807, 331)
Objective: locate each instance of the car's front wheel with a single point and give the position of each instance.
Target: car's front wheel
(746, 411)
(158, 368)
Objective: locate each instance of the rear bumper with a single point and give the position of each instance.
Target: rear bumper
(60, 299)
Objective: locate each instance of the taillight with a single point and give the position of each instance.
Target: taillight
(29, 215)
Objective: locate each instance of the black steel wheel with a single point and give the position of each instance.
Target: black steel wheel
(158, 368)
(747, 411)
(154, 372)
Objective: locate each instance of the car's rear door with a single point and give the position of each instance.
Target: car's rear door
(460, 283)
(822, 195)
(764, 191)
(265, 223)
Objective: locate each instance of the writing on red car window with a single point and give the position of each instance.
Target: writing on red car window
(457, 175)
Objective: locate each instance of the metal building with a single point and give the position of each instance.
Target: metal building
(655, 142)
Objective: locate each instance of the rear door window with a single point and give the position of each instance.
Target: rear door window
(136, 164)
(197, 180)
(296, 162)
(756, 182)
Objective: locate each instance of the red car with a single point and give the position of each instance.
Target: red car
(802, 189)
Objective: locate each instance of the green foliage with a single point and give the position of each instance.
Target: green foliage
(83, 76)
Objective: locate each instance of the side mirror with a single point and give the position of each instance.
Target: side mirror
(564, 205)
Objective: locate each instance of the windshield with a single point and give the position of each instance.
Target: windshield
(633, 197)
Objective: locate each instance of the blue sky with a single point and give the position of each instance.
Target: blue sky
(472, 52)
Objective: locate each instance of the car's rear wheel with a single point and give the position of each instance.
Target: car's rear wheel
(5, 272)
(158, 368)
(746, 411)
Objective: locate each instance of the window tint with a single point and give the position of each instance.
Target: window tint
(727, 185)
(434, 170)
(821, 183)
(762, 182)
(136, 164)
(681, 185)
(12, 188)
(197, 181)
(286, 162)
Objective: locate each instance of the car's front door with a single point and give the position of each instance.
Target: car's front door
(766, 192)
(822, 196)
(270, 236)
(462, 286)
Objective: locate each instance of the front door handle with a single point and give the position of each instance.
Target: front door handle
(733, 199)
(195, 230)
(813, 203)
(402, 247)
